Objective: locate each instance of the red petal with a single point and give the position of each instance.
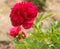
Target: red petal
(18, 29)
(27, 25)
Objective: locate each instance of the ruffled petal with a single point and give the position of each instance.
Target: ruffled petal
(12, 32)
(27, 25)
(18, 29)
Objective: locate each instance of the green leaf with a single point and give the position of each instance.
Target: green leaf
(58, 24)
(40, 25)
(51, 48)
(47, 16)
(39, 18)
(20, 47)
(43, 46)
(51, 27)
(56, 46)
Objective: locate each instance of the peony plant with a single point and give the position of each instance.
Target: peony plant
(25, 15)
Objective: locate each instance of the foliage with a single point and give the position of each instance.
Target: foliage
(41, 38)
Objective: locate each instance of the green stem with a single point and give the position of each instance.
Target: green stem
(37, 28)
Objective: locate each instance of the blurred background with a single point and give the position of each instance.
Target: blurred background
(48, 6)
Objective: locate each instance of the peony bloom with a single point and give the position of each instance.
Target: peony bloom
(17, 33)
(23, 14)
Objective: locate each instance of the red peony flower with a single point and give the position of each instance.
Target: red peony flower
(16, 32)
(23, 14)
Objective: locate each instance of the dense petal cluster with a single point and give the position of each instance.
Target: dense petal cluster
(24, 14)
(16, 32)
